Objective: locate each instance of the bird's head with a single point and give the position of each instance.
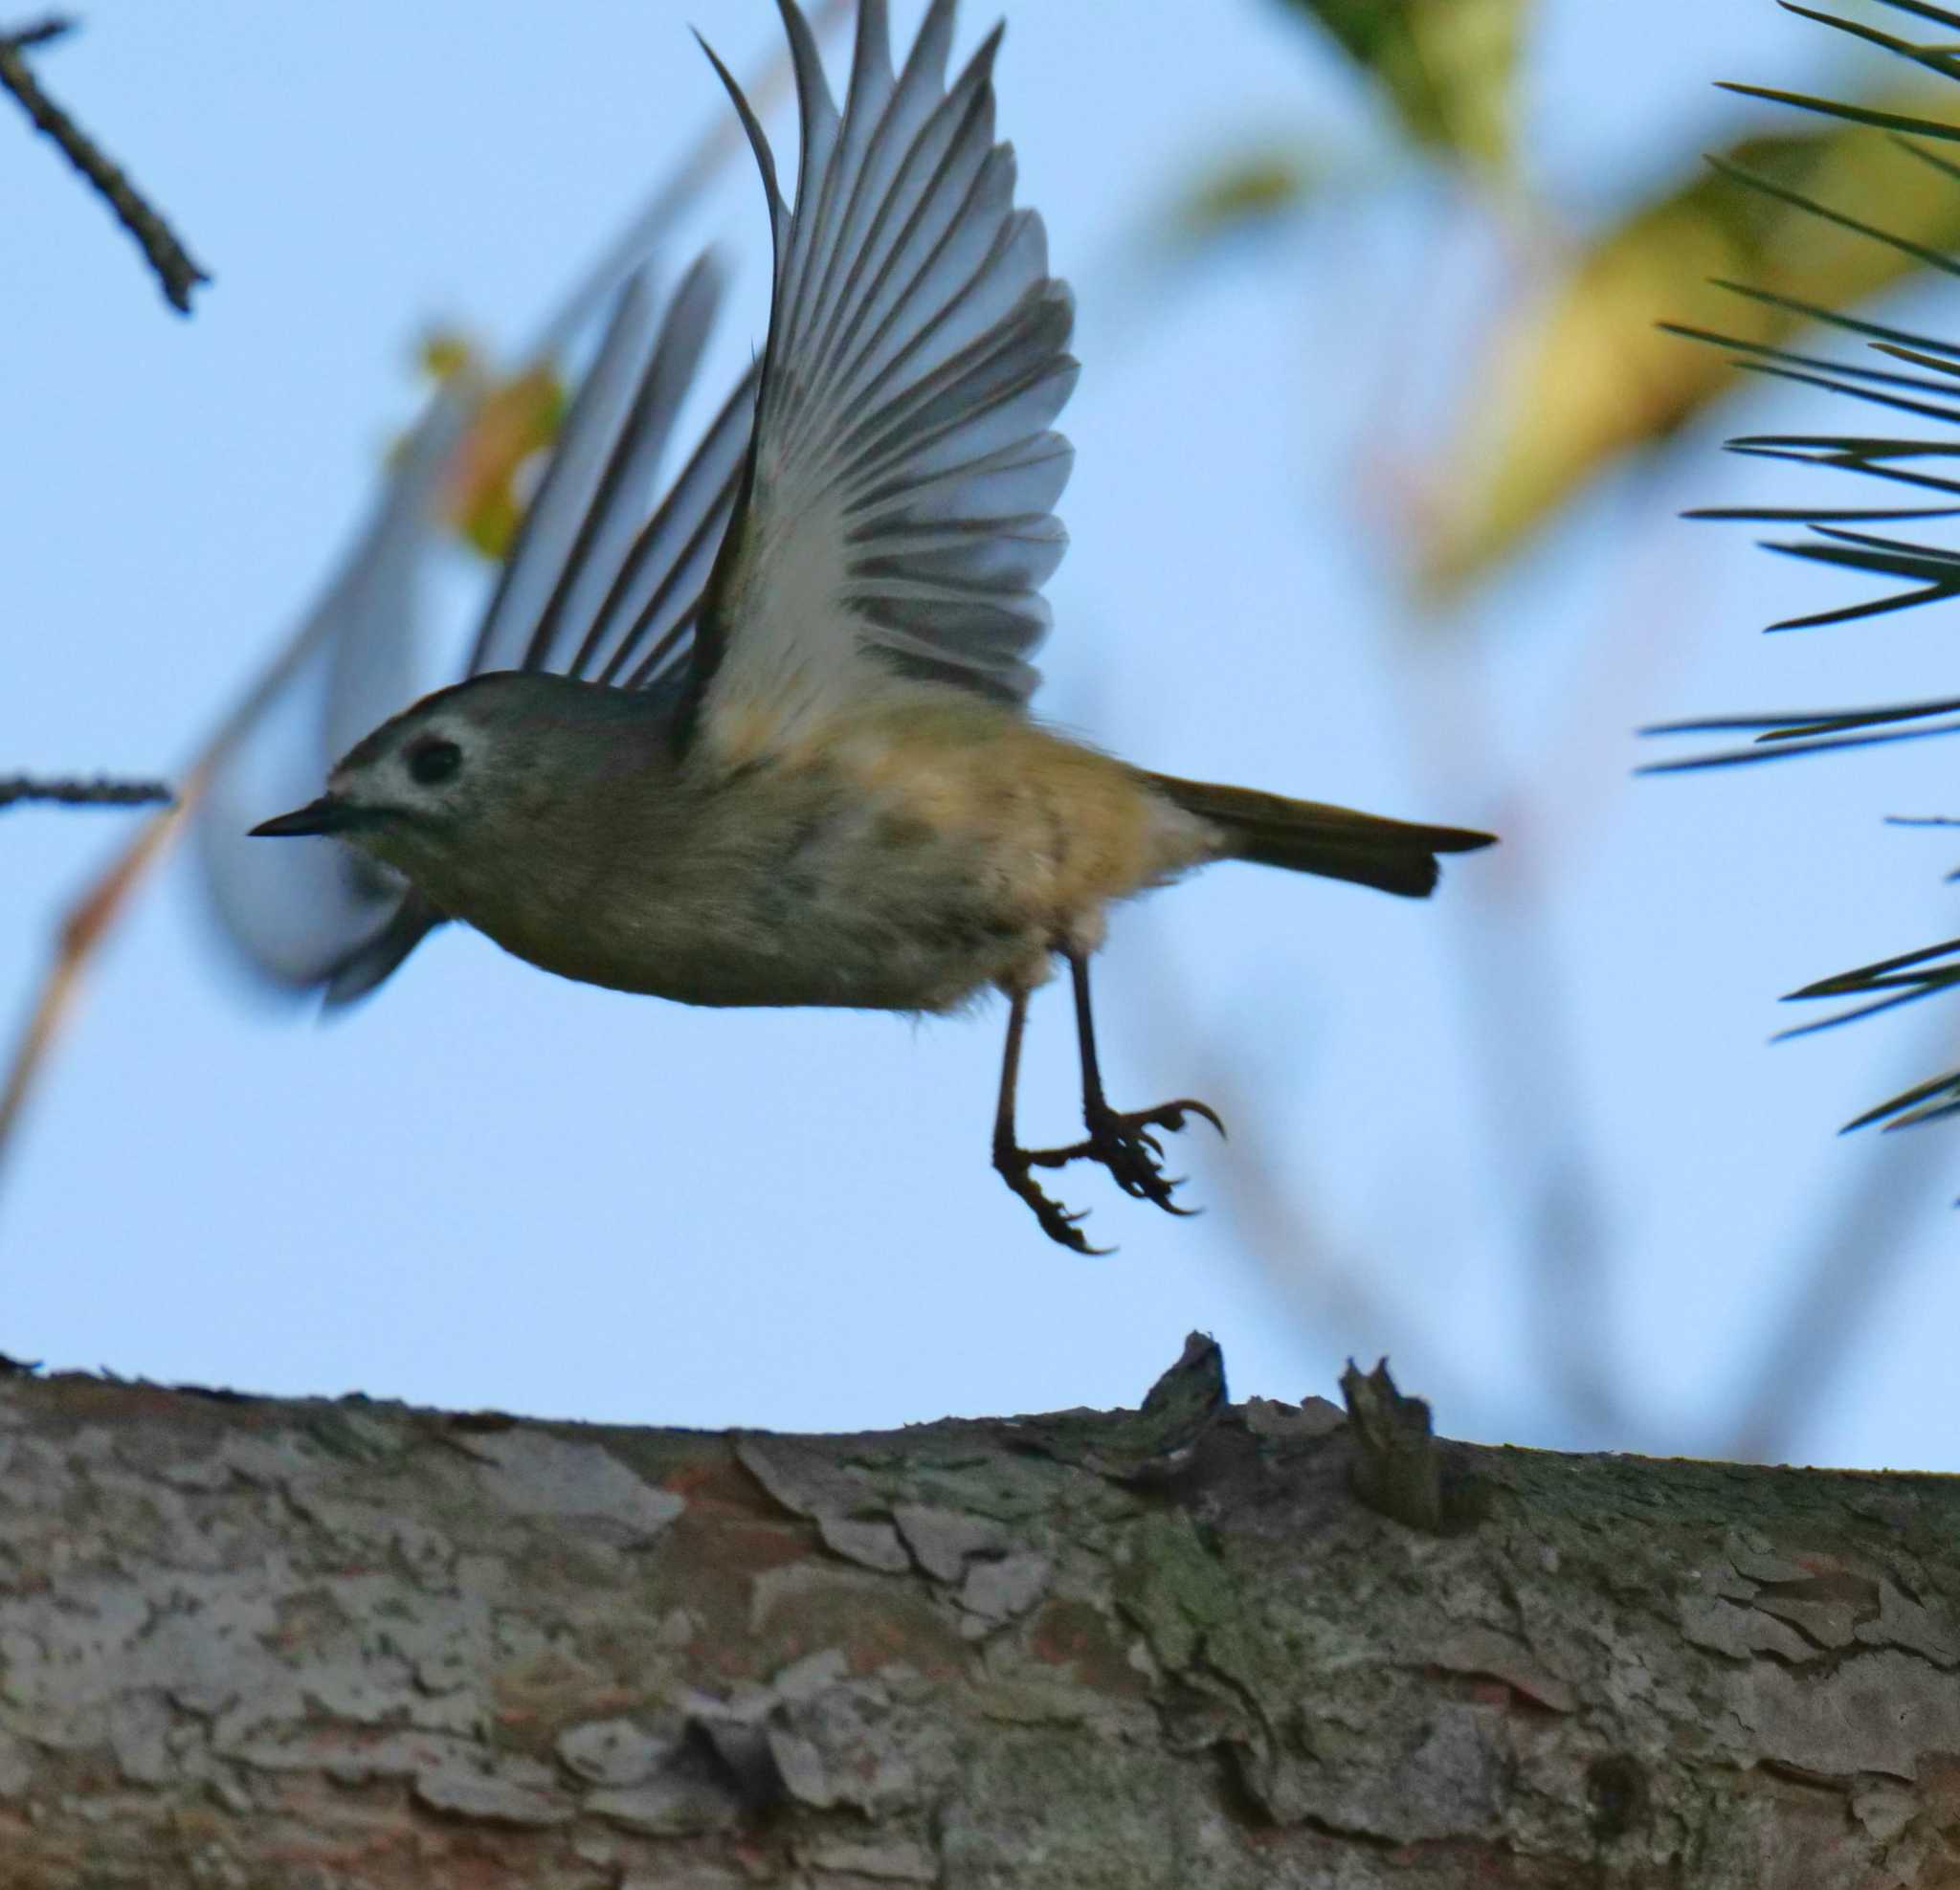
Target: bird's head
(468, 779)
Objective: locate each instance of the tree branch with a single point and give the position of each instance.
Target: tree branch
(255, 1640)
(175, 272)
(39, 34)
(98, 793)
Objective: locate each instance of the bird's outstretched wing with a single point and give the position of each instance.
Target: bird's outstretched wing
(895, 514)
(594, 587)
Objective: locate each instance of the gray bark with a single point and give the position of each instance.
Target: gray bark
(250, 1643)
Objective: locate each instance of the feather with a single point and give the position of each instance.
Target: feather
(895, 515)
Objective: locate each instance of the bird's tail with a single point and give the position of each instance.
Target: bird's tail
(1308, 836)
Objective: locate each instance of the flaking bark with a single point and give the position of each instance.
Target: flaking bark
(252, 1642)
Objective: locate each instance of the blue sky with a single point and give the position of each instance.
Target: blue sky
(491, 1188)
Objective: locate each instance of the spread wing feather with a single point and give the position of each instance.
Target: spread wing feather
(639, 630)
(613, 524)
(591, 581)
(559, 508)
(895, 511)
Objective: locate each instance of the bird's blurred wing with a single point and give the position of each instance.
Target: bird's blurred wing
(895, 511)
(300, 914)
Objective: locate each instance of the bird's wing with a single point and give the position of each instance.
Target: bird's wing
(301, 915)
(593, 587)
(642, 633)
(896, 508)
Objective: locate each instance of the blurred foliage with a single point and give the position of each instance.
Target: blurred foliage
(1579, 371)
(1449, 67)
(484, 494)
(1583, 373)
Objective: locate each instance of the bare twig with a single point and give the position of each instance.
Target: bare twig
(98, 793)
(83, 929)
(175, 269)
(39, 33)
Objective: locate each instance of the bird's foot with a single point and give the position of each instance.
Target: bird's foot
(1125, 1144)
(1123, 1141)
(1058, 1222)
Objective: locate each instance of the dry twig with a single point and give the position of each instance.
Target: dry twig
(176, 271)
(39, 33)
(98, 793)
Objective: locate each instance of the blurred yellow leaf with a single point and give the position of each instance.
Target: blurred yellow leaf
(444, 353)
(1582, 374)
(1449, 67)
(519, 419)
(514, 420)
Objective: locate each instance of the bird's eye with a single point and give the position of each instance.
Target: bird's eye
(433, 761)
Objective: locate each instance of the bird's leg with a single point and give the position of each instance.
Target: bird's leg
(1121, 1142)
(1009, 1158)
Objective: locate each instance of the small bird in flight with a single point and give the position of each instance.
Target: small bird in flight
(766, 741)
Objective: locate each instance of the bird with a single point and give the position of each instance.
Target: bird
(768, 740)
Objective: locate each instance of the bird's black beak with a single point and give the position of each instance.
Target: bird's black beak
(325, 816)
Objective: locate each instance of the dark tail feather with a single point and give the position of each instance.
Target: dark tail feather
(1335, 842)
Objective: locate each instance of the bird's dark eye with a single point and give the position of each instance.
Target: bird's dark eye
(433, 761)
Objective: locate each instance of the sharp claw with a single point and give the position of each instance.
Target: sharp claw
(1071, 1236)
(1185, 1105)
(1210, 1115)
(1057, 1222)
(1125, 1145)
